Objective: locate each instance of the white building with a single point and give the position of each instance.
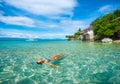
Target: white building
(87, 34)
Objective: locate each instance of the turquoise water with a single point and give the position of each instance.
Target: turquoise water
(83, 62)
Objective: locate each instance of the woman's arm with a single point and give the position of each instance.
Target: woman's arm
(52, 65)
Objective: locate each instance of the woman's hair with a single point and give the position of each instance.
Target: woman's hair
(39, 62)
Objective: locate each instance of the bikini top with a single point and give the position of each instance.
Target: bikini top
(47, 59)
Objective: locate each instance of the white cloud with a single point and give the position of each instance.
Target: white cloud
(52, 35)
(72, 26)
(45, 7)
(104, 9)
(48, 8)
(17, 20)
(14, 33)
(54, 30)
(65, 25)
(46, 24)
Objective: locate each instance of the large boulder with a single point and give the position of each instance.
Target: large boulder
(106, 40)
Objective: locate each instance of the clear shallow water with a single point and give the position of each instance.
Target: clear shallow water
(83, 62)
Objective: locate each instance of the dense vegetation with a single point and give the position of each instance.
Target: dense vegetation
(75, 36)
(107, 26)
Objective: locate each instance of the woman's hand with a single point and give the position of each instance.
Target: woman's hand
(57, 66)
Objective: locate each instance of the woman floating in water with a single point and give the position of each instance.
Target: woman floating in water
(47, 60)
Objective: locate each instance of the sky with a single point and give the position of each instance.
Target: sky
(50, 19)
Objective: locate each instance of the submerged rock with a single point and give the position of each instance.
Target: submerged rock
(106, 40)
(116, 41)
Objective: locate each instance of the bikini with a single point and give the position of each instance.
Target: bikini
(47, 59)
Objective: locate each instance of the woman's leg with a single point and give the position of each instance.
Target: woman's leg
(56, 56)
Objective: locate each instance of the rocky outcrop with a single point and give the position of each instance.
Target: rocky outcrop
(116, 41)
(106, 40)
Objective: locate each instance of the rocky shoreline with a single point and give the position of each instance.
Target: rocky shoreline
(116, 41)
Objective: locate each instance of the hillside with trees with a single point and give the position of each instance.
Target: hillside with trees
(107, 26)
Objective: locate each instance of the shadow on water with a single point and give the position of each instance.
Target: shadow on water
(58, 61)
(103, 78)
(26, 81)
(106, 78)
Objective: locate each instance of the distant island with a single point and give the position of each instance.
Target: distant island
(107, 26)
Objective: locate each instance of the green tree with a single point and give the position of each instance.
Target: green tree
(75, 36)
(69, 37)
(107, 25)
(117, 13)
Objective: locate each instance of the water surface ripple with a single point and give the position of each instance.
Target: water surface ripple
(83, 62)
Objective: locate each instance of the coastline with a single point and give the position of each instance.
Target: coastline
(116, 41)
